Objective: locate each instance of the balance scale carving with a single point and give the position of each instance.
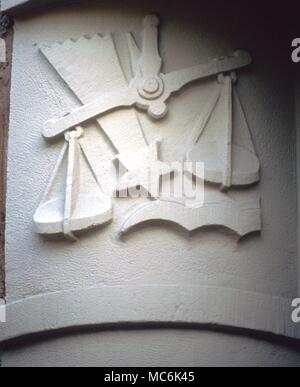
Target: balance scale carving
(77, 197)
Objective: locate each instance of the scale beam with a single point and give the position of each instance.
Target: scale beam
(149, 89)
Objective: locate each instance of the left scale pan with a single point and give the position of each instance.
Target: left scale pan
(73, 200)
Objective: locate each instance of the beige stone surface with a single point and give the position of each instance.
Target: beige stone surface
(257, 276)
(153, 348)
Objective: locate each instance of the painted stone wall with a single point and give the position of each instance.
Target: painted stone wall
(157, 273)
(153, 348)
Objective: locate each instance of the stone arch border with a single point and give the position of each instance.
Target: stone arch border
(112, 306)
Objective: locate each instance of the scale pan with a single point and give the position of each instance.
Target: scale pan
(90, 211)
(245, 164)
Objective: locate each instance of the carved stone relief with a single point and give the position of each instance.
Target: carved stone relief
(80, 193)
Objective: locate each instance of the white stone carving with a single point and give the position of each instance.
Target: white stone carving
(149, 89)
(146, 177)
(74, 199)
(221, 138)
(110, 305)
(240, 217)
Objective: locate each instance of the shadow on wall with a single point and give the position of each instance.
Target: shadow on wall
(154, 345)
